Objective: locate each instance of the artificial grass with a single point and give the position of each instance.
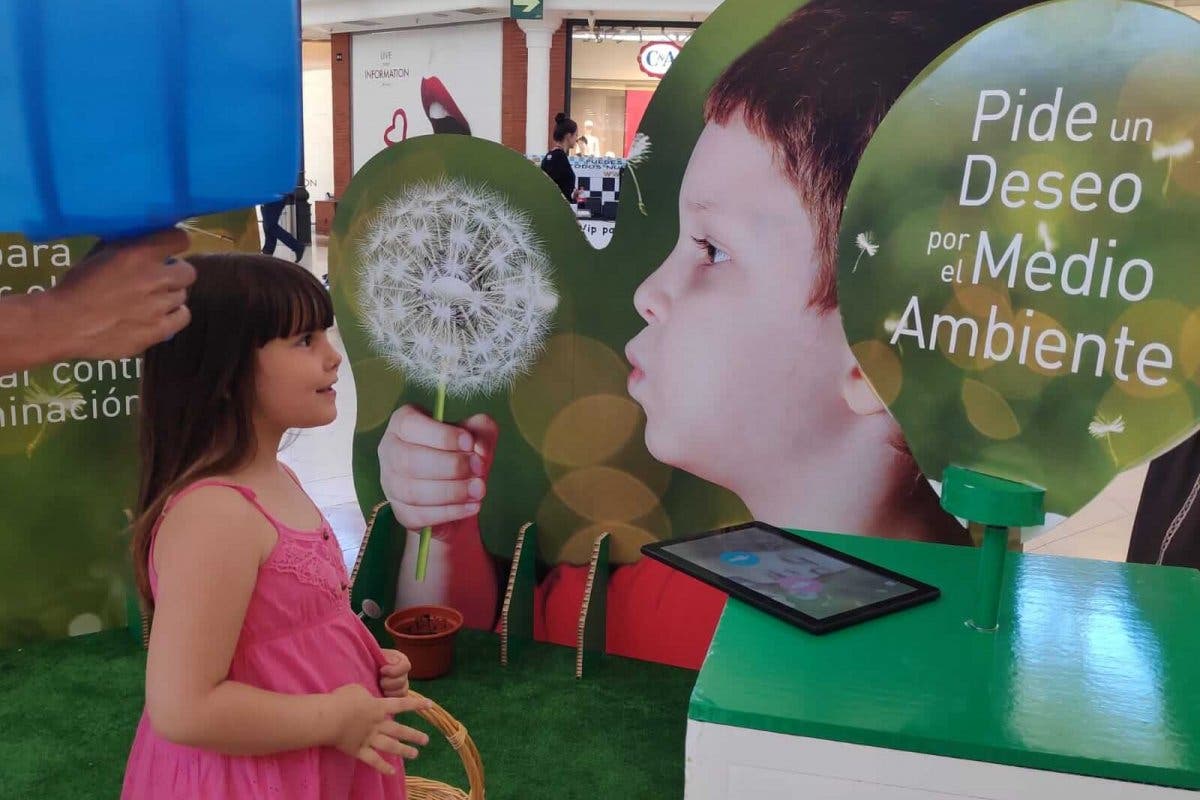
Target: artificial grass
(68, 711)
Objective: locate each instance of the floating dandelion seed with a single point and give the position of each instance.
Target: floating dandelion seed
(193, 225)
(1170, 152)
(67, 399)
(864, 244)
(1043, 232)
(1101, 428)
(457, 295)
(639, 152)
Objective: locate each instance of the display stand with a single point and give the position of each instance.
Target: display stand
(593, 613)
(516, 615)
(996, 505)
(1085, 686)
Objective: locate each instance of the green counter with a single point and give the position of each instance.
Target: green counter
(1095, 670)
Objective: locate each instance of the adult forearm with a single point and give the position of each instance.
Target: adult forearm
(29, 333)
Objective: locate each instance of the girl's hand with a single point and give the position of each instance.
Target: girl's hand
(393, 676)
(365, 727)
(434, 473)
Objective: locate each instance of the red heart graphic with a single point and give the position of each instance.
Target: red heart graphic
(398, 114)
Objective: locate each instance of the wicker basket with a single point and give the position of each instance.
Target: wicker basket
(460, 740)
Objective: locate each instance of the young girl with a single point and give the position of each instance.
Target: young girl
(260, 681)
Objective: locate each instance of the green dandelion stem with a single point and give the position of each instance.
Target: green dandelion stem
(1112, 450)
(37, 440)
(638, 187)
(439, 413)
(1167, 180)
(855, 267)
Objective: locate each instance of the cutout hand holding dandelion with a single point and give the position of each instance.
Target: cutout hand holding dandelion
(456, 292)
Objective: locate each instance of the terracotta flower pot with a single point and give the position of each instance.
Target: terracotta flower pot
(426, 635)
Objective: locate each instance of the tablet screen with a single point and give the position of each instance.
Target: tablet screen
(789, 572)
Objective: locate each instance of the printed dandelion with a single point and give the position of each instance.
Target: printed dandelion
(65, 401)
(455, 288)
(455, 291)
(639, 152)
(1170, 152)
(1101, 428)
(864, 244)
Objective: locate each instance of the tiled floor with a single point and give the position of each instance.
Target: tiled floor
(322, 458)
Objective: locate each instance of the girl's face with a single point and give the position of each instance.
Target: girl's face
(294, 379)
(733, 366)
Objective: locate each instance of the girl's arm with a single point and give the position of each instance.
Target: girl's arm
(207, 554)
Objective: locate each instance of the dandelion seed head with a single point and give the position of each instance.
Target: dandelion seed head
(1177, 149)
(1101, 428)
(67, 398)
(455, 287)
(639, 149)
(865, 243)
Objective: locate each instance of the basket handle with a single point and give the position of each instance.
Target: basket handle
(458, 737)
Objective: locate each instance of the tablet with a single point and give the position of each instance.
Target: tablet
(808, 584)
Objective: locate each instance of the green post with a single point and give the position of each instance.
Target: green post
(997, 505)
(991, 578)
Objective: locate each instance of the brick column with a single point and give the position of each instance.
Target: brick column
(514, 66)
(343, 161)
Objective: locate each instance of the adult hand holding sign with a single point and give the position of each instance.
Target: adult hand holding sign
(115, 304)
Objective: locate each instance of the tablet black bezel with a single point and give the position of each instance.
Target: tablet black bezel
(921, 592)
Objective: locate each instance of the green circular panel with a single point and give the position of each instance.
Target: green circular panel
(1017, 236)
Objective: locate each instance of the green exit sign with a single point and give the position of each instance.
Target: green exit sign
(525, 9)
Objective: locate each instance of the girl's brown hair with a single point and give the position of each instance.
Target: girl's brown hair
(197, 389)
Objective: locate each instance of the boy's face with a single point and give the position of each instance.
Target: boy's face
(734, 370)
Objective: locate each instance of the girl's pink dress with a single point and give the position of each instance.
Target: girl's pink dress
(299, 637)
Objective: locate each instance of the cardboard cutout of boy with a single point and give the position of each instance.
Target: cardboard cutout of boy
(741, 364)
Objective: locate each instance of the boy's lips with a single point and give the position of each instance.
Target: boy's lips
(637, 374)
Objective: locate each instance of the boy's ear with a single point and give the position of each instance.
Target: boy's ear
(858, 394)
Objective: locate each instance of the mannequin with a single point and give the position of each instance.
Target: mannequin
(593, 141)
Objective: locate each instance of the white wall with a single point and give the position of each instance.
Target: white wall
(318, 120)
(388, 68)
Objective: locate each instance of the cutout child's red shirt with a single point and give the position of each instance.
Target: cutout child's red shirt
(655, 613)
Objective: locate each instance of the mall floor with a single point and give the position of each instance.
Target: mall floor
(321, 457)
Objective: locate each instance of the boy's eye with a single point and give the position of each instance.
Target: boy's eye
(305, 340)
(712, 253)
